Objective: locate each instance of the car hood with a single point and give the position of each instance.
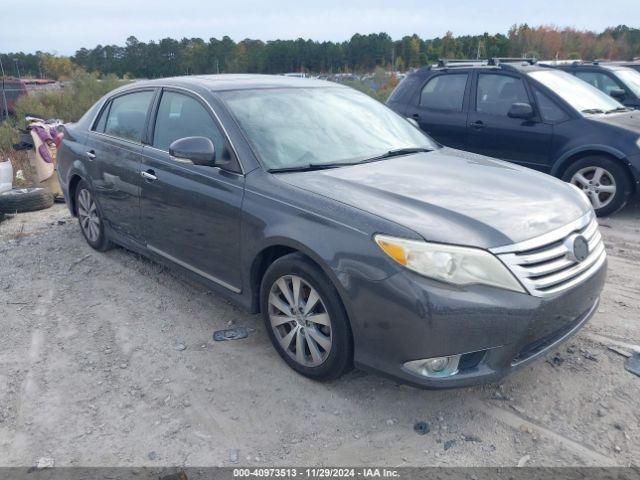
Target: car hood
(452, 196)
(629, 121)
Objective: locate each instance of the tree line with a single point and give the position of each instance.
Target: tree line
(361, 53)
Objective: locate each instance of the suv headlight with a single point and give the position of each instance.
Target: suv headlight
(449, 263)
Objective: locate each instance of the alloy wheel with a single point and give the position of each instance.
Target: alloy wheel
(88, 215)
(597, 183)
(300, 320)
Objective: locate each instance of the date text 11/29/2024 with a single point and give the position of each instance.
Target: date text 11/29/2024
(316, 472)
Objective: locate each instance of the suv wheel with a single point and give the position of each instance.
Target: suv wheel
(604, 181)
(90, 218)
(305, 318)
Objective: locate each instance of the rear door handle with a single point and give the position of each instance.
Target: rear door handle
(149, 175)
(478, 125)
(415, 116)
(91, 154)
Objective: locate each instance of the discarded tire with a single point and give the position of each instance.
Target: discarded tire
(21, 200)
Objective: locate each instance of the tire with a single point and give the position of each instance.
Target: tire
(594, 173)
(21, 200)
(325, 319)
(90, 218)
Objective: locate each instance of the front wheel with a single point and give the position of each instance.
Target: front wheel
(90, 218)
(305, 318)
(604, 181)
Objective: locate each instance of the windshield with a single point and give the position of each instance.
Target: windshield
(301, 127)
(631, 78)
(580, 95)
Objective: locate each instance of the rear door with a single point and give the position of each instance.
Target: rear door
(441, 108)
(114, 149)
(191, 213)
(493, 133)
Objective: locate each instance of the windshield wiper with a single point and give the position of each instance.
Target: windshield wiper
(617, 109)
(309, 167)
(324, 166)
(397, 153)
(592, 110)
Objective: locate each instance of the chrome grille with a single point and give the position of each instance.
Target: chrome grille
(545, 265)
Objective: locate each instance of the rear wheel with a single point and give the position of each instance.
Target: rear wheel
(305, 318)
(90, 218)
(604, 181)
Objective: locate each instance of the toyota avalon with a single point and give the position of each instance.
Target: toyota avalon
(359, 239)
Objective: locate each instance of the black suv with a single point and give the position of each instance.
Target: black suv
(532, 115)
(622, 83)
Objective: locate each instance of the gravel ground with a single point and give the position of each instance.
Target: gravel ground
(107, 359)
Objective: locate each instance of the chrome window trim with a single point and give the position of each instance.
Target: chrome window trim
(163, 87)
(194, 269)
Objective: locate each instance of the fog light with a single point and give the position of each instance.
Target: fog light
(435, 367)
(436, 364)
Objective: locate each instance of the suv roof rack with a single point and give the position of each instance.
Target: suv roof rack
(459, 62)
(498, 60)
(562, 62)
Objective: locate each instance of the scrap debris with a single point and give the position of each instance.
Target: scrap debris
(632, 364)
(236, 333)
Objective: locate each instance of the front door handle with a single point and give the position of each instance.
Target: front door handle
(149, 175)
(91, 154)
(479, 124)
(415, 116)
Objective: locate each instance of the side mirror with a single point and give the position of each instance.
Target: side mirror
(618, 93)
(521, 110)
(198, 150)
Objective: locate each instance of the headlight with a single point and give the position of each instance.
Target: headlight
(449, 263)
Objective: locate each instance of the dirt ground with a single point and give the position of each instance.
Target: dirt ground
(107, 359)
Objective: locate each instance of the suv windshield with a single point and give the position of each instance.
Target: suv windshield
(321, 127)
(580, 95)
(631, 78)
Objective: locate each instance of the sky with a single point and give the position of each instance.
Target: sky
(72, 24)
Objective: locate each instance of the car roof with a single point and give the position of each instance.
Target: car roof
(580, 64)
(222, 82)
(519, 66)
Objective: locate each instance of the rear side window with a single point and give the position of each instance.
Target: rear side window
(126, 116)
(549, 111)
(445, 92)
(182, 116)
(601, 81)
(102, 121)
(404, 88)
(496, 93)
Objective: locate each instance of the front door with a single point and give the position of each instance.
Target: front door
(191, 213)
(493, 133)
(114, 149)
(441, 109)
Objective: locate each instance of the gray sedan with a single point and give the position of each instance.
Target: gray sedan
(358, 238)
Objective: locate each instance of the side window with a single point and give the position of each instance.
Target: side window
(601, 81)
(102, 121)
(496, 93)
(444, 92)
(127, 115)
(182, 116)
(549, 111)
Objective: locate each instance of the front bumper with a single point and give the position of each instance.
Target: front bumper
(408, 317)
